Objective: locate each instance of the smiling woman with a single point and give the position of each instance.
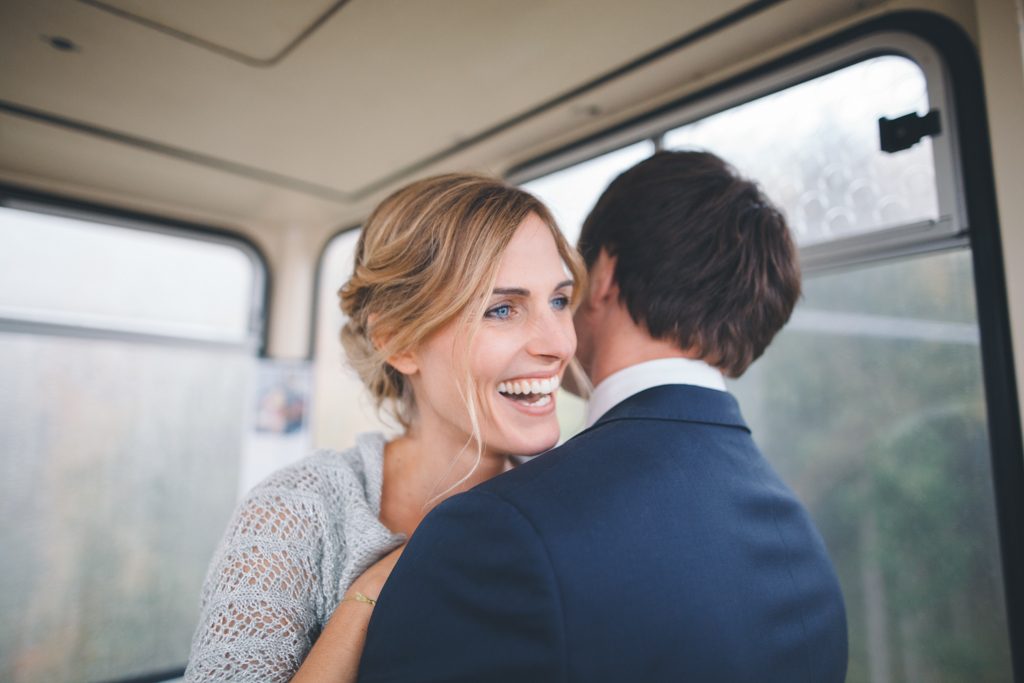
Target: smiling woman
(429, 253)
(523, 338)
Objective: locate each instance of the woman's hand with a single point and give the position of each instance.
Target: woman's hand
(335, 656)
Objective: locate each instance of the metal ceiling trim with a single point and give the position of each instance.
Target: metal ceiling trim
(216, 163)
(214, 47)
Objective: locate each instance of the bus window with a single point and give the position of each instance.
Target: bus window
(342, 407)
(870, 402)
(126, 357)
(814, 149)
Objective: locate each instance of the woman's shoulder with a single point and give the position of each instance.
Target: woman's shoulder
(356, 471)
(330, 495)
(310, 522)
(314, 496)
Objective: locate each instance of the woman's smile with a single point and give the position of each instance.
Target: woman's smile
(530, 392)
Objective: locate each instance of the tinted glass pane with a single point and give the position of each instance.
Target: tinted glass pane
(118, 473)
(572, 193)
(814, 148)
(75, 272)
(870, 404)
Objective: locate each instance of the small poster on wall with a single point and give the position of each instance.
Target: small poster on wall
(278, 430)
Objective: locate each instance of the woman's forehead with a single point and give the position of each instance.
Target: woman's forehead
(531, 255)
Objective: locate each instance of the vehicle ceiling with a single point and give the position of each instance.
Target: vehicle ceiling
(260, 114)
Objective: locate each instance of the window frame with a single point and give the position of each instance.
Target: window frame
(26, 200)
(968, 217)
(949, 230)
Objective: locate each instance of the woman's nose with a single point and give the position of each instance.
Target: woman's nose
(553, 337)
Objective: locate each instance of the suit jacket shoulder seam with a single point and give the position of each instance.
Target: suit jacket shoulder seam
(551, 570)
(789, 571)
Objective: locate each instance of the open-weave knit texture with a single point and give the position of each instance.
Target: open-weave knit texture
(295, 544)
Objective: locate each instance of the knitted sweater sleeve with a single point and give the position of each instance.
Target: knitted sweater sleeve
(266, 595)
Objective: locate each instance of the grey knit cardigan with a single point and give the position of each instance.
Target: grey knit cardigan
(295, 544)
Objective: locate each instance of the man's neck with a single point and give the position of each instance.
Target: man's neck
(624, 344)
(640, 377)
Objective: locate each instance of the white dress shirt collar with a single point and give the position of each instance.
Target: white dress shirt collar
(619, 386)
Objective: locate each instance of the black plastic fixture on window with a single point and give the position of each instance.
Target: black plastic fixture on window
(907, 131)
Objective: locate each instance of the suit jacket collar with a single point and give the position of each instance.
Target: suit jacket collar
(679, 402)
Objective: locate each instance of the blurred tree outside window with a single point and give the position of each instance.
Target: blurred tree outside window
(870, 403)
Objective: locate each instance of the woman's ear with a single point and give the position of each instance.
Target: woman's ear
(404, 362)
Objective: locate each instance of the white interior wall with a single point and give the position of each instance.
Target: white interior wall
(292, 273)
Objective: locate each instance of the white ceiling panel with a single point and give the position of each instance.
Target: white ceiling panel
(381, 85)
(379, 92)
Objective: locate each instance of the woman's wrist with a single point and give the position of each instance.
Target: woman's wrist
(368, 589)
(359, 597)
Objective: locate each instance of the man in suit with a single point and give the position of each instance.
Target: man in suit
(658, 544)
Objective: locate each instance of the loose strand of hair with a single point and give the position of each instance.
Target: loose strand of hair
(466, 391)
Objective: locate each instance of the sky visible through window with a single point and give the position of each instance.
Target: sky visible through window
(63, 270)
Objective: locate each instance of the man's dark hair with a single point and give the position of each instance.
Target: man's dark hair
(704, 259)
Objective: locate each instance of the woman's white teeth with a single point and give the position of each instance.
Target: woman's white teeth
(544, 387)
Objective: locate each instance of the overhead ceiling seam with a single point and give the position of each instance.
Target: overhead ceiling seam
(341, 196)
(214, 47)
(217, 163)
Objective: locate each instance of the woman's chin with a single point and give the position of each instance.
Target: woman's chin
(531, 442)
(523, 430)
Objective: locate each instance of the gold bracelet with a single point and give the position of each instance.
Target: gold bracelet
(361, 598)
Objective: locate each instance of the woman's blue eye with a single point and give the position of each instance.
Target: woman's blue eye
(560, 302)
(503, 311)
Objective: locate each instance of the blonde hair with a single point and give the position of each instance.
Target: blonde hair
(428, 253)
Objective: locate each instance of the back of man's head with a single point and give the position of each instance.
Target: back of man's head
(702, 257)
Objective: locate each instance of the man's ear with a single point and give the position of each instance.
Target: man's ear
(602, 280)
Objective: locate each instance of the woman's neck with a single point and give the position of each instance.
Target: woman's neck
(421, 469)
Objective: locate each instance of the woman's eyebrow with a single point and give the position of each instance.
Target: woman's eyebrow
(521, 291)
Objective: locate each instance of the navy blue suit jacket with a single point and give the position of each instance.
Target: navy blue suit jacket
(658, 545)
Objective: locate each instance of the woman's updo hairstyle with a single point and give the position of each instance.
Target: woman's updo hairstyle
(427, 253)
